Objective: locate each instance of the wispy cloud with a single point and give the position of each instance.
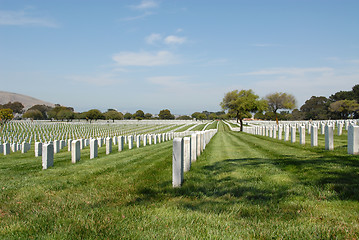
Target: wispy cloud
(22, 18)
(153, 38)
(174, 40)
(145, 58)
(146, 14)
(146, 4)
(289, 71)
(168, 40)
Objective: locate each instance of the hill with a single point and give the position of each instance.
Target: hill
(27, 101)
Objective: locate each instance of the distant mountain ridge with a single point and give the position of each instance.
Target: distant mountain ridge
(27, 101)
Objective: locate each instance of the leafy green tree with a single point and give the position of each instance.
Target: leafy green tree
(128, 116)
(113, 115)
(65, 114)
(16, 107)
(42, 108)
(280, 100)
(33, 114)
(202, 116)
(341, 95)
(184, 117)
(94, 114)
(345, 108)
(148, 116)
(316, 108)
(212, 116)
(297, 115)
(241, 103)
(195, 115)
(259, 115)
(139, 115)
(6, 115)
(166, 114)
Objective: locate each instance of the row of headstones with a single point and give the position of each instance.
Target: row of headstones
(23, 147)
(47, 135)
(290, 132)
(60, 144)
(47, 150)
(186, 150)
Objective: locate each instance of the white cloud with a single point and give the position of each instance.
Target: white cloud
(174, 40)
(145, 58)
(153, 38)
(289, 71)
(21, 18)
(146, 4)
(146, 14)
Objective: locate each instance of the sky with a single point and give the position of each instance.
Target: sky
(181, 55)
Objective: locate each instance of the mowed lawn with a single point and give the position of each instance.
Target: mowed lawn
(242, 187)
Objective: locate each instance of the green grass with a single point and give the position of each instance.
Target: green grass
(242, 187)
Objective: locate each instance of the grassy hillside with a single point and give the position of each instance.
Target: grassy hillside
(241, 187)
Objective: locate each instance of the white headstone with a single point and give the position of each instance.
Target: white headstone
(47, 155)
(193, 147)
(76, 151)
(108, 145)
(314, 136)
(329, 141)
(120, 143)
(302, 134)
(6, 148)
(186, 154)
(38, 149)
(93, 148)
(177, 162)
(353, 139)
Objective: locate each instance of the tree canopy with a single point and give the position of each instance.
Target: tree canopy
(113, 115)
(166, 114)
(241, 103)
(6, 115)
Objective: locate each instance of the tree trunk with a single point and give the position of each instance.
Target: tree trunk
(241, 120)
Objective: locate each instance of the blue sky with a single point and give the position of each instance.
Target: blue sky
(183, 55)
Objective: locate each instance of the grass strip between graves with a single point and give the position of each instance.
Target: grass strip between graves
(242, 187)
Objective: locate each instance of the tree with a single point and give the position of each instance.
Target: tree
(345, 108)
(42, 108)
(33, 114)
(139, 115)
(148, 116)
(127, 116)
(212, 116)
(316, 108)
(280, 100)
(65, 114)
(16, 107)
(5, 116)
(201, 116)
(195, 115)
(342, 95)
(297, 115)
(241, 103)
(184, 117)
(113, 115)
(94, 114)
(166, 114)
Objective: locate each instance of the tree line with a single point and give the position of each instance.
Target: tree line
(276, 106)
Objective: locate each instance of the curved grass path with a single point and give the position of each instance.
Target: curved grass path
(242, 187)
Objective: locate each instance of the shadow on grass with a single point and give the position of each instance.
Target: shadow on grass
(214, 188)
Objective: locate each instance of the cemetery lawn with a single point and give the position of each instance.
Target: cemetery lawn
(242, 187)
